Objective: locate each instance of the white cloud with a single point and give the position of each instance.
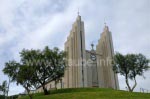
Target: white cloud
(35, 24)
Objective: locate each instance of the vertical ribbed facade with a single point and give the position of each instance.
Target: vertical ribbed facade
(75, 48)
(81, 70)
(106, 75)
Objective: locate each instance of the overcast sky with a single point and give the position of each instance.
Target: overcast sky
(37, 23)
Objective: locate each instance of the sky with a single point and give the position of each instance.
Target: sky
(37, 23)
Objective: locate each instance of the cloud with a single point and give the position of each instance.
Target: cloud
(35, 24)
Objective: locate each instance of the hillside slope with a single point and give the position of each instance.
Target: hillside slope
(90, 93)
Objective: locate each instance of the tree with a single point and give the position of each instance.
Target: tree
(26, 79)
(130, 66)
(20, 74)
(44, 65)
(48, 65)
(12, 72)
(11, 69)
(58, 63)
(36, 59)
(3, 87)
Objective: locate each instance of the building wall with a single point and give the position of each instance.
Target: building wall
(92, 72)
(51, 86)
(75, 48)
(107, 78)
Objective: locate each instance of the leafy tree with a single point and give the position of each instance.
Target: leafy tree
(11, 69)
(44, 65)
(49, 65)
(130, 66)
(19, 73)
(36, 59)
(26, 79)
(57, 62)
(3, 88)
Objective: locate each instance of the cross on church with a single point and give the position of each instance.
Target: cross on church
(78, 11)
(104, 21)
(92, 45)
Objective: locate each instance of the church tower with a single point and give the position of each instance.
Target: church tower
(106, 76)
(89, 68)
(75, 74)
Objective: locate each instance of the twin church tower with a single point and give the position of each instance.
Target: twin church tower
(89, 68)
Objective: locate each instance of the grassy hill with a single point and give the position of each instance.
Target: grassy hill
(90, 93)
(2, 97)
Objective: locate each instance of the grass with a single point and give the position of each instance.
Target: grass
(2, 97)
(90, 93)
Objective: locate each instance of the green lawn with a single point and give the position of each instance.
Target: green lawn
(90, 93)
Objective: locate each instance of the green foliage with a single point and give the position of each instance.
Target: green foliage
(48, 65)
(130, 66)
(2, 97)
(19, 73)
(3, 88)
(11, 69)
(36, 68)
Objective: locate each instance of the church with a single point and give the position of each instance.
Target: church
(87, 68)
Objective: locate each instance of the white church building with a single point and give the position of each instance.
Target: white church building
(87, 68)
